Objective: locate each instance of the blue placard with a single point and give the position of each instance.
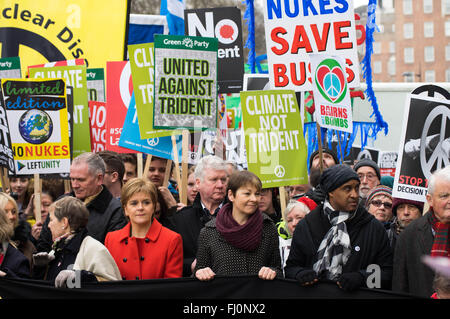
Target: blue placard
(131, 139)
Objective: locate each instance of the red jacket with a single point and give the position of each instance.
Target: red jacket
(160, 256)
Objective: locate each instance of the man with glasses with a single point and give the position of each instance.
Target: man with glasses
(369, 175)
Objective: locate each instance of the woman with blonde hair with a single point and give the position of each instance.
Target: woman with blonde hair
(22, 230)
(144, 249)
(13, 264)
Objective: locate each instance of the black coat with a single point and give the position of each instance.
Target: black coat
(15, 264)
(226, 260)
(105, 215)
(65, 255)
(368, 239)
(411, 275)
(188, 222)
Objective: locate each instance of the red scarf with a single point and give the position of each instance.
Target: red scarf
(441, 246)
(247, 236)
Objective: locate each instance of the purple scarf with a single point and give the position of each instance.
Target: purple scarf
(247, 236)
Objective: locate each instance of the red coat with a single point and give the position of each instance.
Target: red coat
(160, 256)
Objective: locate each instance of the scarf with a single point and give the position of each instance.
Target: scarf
(441, 246)
(61, 241)
(334, 250)
(247, 236)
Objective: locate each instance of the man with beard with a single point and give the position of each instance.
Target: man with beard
(211, 178)
(339, 239)
(369, 175)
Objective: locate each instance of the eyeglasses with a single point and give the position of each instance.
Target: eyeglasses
(368, 176)
(378, 203)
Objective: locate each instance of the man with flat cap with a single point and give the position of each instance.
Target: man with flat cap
(339, 239)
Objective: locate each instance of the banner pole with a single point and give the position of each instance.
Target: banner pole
(139, 164)
(37, 198)
(175, 158)
(167, 173)
(184, 166)
(319, 137)
(147, 166)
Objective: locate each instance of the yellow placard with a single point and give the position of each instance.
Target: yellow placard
(48, 30)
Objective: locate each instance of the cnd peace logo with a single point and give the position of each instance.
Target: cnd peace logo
(330, 80)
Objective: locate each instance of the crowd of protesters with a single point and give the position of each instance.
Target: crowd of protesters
(113, 225)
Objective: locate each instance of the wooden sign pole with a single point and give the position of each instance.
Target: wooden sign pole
(184, 166)
(37, 198)
(139, 164)
(147, 166)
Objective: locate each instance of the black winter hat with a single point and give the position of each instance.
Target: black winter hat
(336, 176)
(325, 150)
(370, 163)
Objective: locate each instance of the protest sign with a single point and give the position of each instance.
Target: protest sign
(387, 162)
(6, 151)
(274, 137)
(424, 145)
(38, 123)
(10, 68)
(295, 29)
(119, 89)
(97, 121)
(333, 107)
(47, 30)
(142, 71)
(202, 144)
(185, 82)
(130, 137)
(225, 25)
(74, 76)
(95, 82)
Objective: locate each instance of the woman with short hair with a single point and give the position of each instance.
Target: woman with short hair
(144, 249)
(73, 250)
(241, 239)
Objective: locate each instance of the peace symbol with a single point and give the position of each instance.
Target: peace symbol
(12, 38)
(438, 157)
(153, 141)
(279, 171)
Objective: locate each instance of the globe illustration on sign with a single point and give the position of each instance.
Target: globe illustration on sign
(35, 126)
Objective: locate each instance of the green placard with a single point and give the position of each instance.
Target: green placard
(142, 72)
(75, 76)
(276, 148)
(185, 82)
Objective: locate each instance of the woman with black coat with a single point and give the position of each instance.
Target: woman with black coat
(241, 239)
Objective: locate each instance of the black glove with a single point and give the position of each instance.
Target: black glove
(350, 281)
(306, 277)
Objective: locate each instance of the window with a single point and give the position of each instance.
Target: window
(408, 76)
(391, 65)
(428, 29)
(447, 52)
(392, 47)
(408, 30)
(447, 28)
(445, 6)
(407, 7)
(377, 67)
(408, 55)
(427, 6)
(429, 54)
(430, 76)
(376, 47)
(447, 75)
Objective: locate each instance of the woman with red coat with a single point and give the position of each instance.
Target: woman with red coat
(144, 249)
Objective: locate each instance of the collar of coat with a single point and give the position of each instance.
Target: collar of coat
(152, 233)
(101, 201)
